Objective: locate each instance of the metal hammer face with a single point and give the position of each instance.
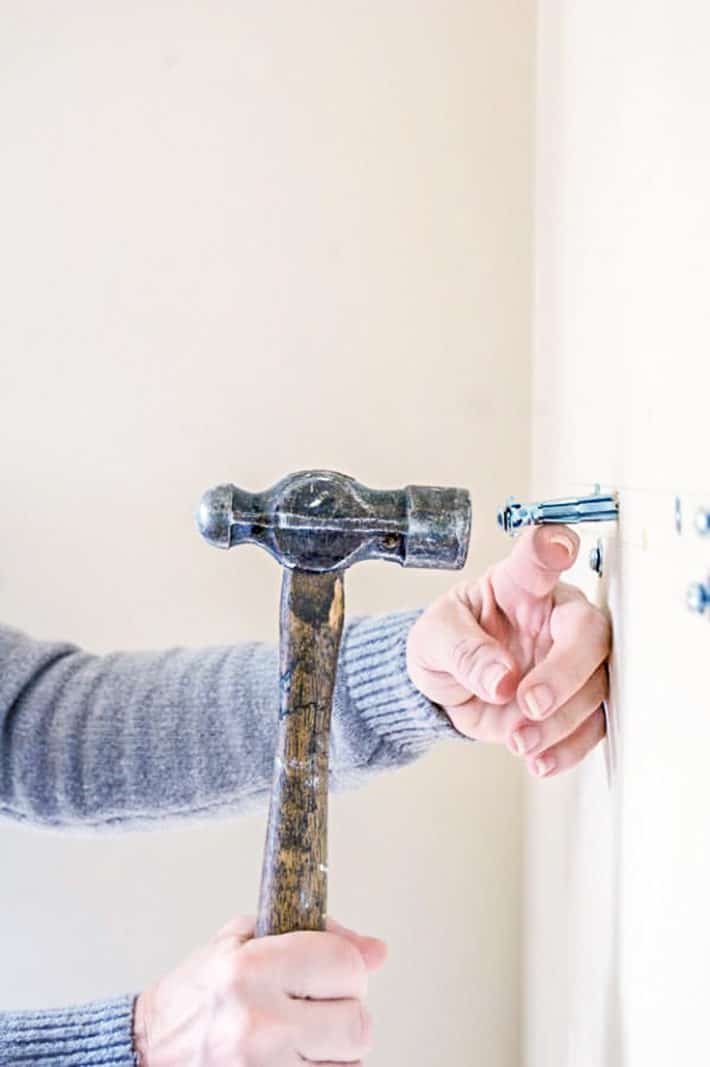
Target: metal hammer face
(317, 523)
(324, 521)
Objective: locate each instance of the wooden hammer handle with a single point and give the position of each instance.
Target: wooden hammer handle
(294, 876)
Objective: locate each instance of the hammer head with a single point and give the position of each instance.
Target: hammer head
(325, 521)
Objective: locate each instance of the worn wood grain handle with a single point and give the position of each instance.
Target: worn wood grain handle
(294, 878)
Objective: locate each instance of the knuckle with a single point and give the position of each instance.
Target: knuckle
(249, 961)
(346, 958)
(223, 967)
(238, 930)
(346, 968)
(462, 657)
(466, 655)
(596, 624)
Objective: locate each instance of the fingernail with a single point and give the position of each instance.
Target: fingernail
(492, 676)
(544, 765)
(526, 739)
(566, 542)
(538, 701)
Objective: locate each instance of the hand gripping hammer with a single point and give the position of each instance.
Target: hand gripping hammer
(316, 524)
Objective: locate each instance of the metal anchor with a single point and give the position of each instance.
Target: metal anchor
(597, 507)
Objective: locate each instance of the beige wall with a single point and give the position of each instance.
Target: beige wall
(618, 872)
(239, 239)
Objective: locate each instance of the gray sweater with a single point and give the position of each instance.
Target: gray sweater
(131, 739)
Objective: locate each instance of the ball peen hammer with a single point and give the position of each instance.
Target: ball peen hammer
(316, 524)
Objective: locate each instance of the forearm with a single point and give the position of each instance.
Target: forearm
(132, 737)
(87, 1036)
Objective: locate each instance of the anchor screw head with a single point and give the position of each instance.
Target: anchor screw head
(596, 558)
(698, 597)
(702, 521)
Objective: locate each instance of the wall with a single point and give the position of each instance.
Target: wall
(618, 874)
(241, 239)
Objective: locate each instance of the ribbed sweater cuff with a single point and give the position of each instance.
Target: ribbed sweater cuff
(90, 1035)
(374, 658)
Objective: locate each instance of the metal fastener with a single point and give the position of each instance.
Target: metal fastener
(702, 521)
(596, 558)
(698, 597)
(597, 507)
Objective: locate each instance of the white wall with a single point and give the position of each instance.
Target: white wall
(618, 871)
(240, 239)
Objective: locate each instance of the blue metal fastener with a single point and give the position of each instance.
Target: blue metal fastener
(597, 507)
(702, 521)
(698, 597)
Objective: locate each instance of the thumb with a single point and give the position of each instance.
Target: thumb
(451, 657)
(372, 950)
(533, 568)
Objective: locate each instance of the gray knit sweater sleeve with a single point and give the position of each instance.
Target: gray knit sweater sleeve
(132, 738)
(91, 1035)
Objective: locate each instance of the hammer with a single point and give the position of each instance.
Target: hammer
(316, 524)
